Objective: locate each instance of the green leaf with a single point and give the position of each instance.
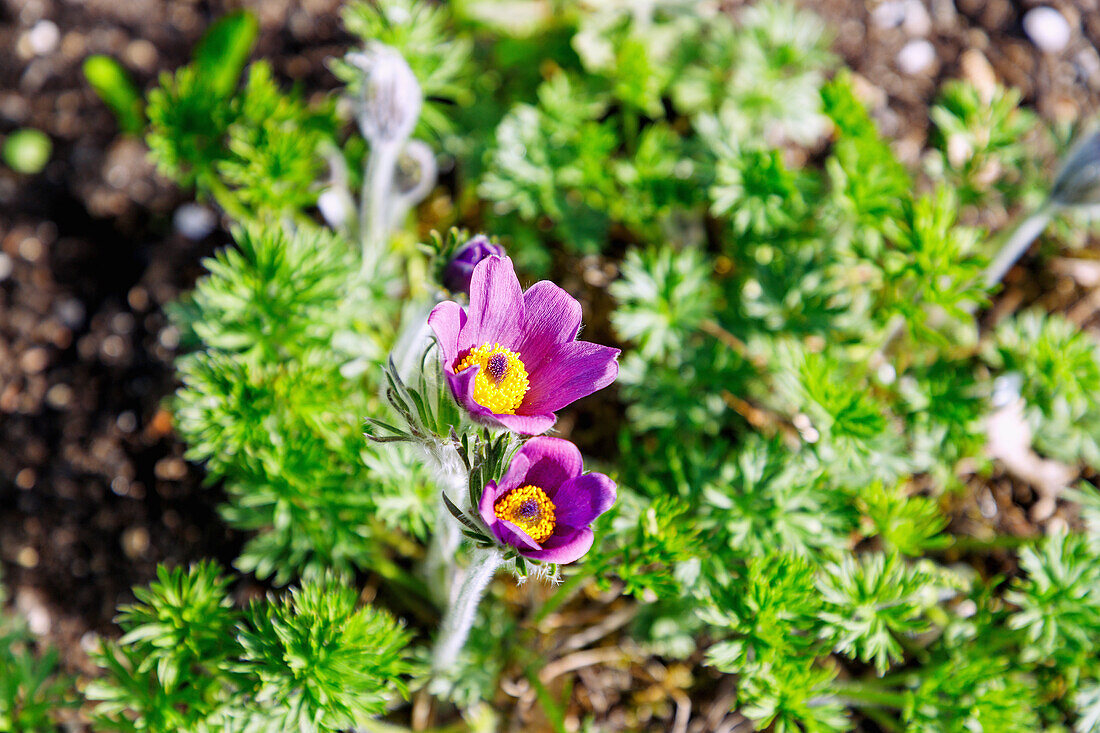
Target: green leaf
(116, 88)
(223, 51)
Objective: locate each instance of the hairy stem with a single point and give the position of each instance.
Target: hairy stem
(1017, 244)
(463, 610)
(451, 478)
(374, 203)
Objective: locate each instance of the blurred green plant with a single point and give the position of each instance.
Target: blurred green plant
(805, 382)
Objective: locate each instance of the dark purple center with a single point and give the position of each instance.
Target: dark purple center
(498, 366)
(529, 509)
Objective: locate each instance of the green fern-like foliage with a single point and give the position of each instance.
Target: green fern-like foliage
(188, 123)
(320, 663)
(312, 660)
(32, 690)
(265, 402)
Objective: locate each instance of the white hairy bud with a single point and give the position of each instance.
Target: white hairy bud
(389, 105)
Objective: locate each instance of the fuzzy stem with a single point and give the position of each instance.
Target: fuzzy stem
(374, 203)
(460, 616)
(452, 478)
(1017, 244)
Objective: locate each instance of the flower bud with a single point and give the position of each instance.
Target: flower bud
(389, 105)
(456, 277)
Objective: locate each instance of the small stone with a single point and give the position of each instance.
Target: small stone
(34, 360)
(170, 469)
(135, 542)
(889, 14)
(127, 422)
(71, 312)
(38, 620)
(194, 222)
(25, 479)
(27, 557)
(917, 20)
(169, 337)
(916, 57)
(1047, 28)
(43, 37)
(31, 249)
(142, 54)
(977, 70)
(6, 266)
(59, 396)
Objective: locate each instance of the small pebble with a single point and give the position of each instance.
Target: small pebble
(34, 360)
(889, 14)
(1047, 28)
(71, 312)
(127, 422)
(135, 542)
(916, 57)
(194, 222)
(43, 37)
(6, 266)
(917, 20)
(59, 396)
(977, 70)
(38, 620)
(25, 479)
(27, 557)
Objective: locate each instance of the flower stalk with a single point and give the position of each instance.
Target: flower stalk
(463, 608)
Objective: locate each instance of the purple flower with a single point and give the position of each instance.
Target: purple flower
(459, 271)
(513, 359)
(543, 505)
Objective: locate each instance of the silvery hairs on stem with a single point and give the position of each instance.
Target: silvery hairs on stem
(387, 110)
(1077, 186)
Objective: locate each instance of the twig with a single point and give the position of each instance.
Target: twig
(579, 660)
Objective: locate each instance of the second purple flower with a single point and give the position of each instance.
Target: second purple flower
(543, 505)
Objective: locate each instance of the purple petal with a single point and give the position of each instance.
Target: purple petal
(496, 306)
(489, 496)
(516, 537)
(580, 500)
(446, 321)
(552, 461)
(576, 370)
(462, 387)
(563, 548)
(553, 317)
(505, 531)
(527, 424)
(516, 475)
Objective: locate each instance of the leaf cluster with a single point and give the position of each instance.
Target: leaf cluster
(311, 660)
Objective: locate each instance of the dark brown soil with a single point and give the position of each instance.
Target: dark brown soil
(94, 491)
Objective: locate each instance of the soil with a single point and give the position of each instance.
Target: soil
(94, 488)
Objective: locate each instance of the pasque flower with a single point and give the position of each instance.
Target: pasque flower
(543, 505)
(460, 270)
(513, 358)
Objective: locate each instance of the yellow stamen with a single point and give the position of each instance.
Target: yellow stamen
(528, 508)
(501, 382)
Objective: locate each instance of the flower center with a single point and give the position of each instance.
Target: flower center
(528, 508)
(501, 382)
